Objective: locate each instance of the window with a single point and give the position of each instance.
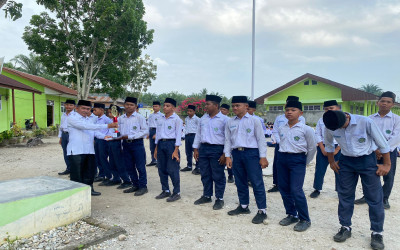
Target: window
(62, 107)
(313, 82)
(275, 108)
(307, 82)
(311, 107)
(1, 103)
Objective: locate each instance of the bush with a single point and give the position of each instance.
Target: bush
(16, 130)
(7, 134)
(40, 132)
(199, 103)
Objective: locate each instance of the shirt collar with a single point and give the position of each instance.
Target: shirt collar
(299, 124)
(353, 119)
(390, 114)
(172, 116)
(133, 114)
(247, 115)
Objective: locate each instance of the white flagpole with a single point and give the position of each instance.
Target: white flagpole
(253, 49)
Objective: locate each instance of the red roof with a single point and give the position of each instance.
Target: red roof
(42, 81)
(10, 83)
(105, 100)
(348, 93)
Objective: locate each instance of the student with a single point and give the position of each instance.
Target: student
(192, 121)
(225, 111)
(133, 129)
(359, 138)
(153, 120)
(389, 125)
(80, 149)
(296, 150)
(251, 110)
(209, 152)
(168, 140)
(245, 143)
(322, 159)
(280, 121)
(69, 106)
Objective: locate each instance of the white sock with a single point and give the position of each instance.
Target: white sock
(166, 191)
(244, 206)
(381, 233)
(263, 210)
(348, 228)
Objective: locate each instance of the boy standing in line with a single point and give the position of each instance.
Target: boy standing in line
(63, 134)
(225, 111)
(192, 121)
(154, 118)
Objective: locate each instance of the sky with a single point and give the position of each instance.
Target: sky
(207, 43)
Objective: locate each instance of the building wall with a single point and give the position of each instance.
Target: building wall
(5, 114)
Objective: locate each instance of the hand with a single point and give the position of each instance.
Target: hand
(175, 155)
(59, 141)
(228, 162)
(125, 137)
(113, 125)
(383, 169)
(222, 160)
(196, 154)
(264, 162)
(335, 166)
(324, 152)
(107, 137)
(154, 137)
(378, 154)
(147, 137)
(337, 149)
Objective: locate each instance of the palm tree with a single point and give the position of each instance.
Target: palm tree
(371, 88)
(29, 64)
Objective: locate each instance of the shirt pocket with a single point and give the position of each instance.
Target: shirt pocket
(359, 139)
(217, 127)
(135, 127)
(296, 137)
(169, 129)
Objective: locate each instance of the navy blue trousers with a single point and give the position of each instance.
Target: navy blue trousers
(246, 166)
(350, 169)
(388, 179)
(117, 162)
(152, 132)
(230, 172)
(135, 162)
(291, 173)
(168, 166)
(320, 169)
(101, 150)
(211, 171)
(189, 139)
(64, 143)
(275, 165)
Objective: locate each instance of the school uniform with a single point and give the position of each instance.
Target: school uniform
(190, 132)
(245, 143)
(133, 151)
(358, 143)
(296, 150)
(64, 135)
(101, 150)
(209, 140)
(153, 120)
(262, 123)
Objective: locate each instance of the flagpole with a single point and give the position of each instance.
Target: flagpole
(253, 49)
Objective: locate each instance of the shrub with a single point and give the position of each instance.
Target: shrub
(40, 132)
(7, 134)
(199, 103)
(16, 130)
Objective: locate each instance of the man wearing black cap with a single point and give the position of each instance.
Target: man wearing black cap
(280, 121)
(168, 140)
(296, 150)
(322, 159)
(245, 143)
(69, 106)
(133, 129)
(225, 111)
(153, 120)
(80, 147)
(209, 152)
(359, 138)
(192, 121)
(251, 110)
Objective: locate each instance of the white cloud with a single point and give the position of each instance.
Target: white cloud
(160, 62)
(321, 38)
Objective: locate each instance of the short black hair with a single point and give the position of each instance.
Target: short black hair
(389, 94)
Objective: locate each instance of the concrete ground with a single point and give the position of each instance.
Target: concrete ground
(156, 224)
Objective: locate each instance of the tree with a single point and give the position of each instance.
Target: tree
(29, 64)
(371, 88)
(94, 42)
(12, 9)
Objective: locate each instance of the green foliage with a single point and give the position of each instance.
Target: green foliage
(13, 9)
(372, 88)
(7, 134)
(16, 130)
(11, 244)
(40, 132)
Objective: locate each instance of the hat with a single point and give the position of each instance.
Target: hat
(292, 98)
(252, 104)
(334, 119)
(192, 107)
(131, 99)
(70, 101)
(213, 98)
(294, 104)
(156, 103)
(239, 99)
(170, 100)
(388, 94)
(225, 106)
(330, 103)
(84, 103)
(99, 105)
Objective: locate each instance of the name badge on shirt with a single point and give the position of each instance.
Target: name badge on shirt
(248, 130)
(296, 138)
(134, 127)
(337, 136)
(361, 140)
(169, 127)
(388, 131)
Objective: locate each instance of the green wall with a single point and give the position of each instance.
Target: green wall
(5, 112)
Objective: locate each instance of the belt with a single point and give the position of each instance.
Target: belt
(133, 140)
(243, 149)
(208, 144)
(190, 134)
(152, 128)
(66, 132)
(167, 139)
(289, 153)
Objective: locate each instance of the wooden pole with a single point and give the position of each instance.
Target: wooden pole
(33, 105)
(13, 105)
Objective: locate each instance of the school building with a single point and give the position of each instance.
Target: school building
(25, 96)
(313, 91)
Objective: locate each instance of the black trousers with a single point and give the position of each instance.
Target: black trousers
(83, 168)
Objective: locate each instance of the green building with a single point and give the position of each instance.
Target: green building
(313, 91)
(34, 98)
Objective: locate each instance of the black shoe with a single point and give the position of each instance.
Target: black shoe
(290, 219)
(219, 204)
(342, 235)
(174, 197)
(153, 163)
(239, 210)
(360, 201)
(259, 218)
(163, 195)
(203, 200)
(94, 193)
(141, 191)
(230, 179)
(315, 194)
(196, 171)
(377, 241)
(65, 172)
(131, 190)
(98, 179)
(302, 226)
(386, 204)
(186, 169)
(104, 183)
(112, 183)
(124, 185)
(273, 189)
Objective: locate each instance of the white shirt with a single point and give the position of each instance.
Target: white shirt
(279, 122)
(390, 128)
(262, 123)
(134, 126)
(211, 130)
(299, 138)
(320, 131)
(154, 119)
(64, 123)
(100, 134)
(361, 137)
(81, 134)
(191, 124)
(93, 118)
(244, 133)
(169, 128)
